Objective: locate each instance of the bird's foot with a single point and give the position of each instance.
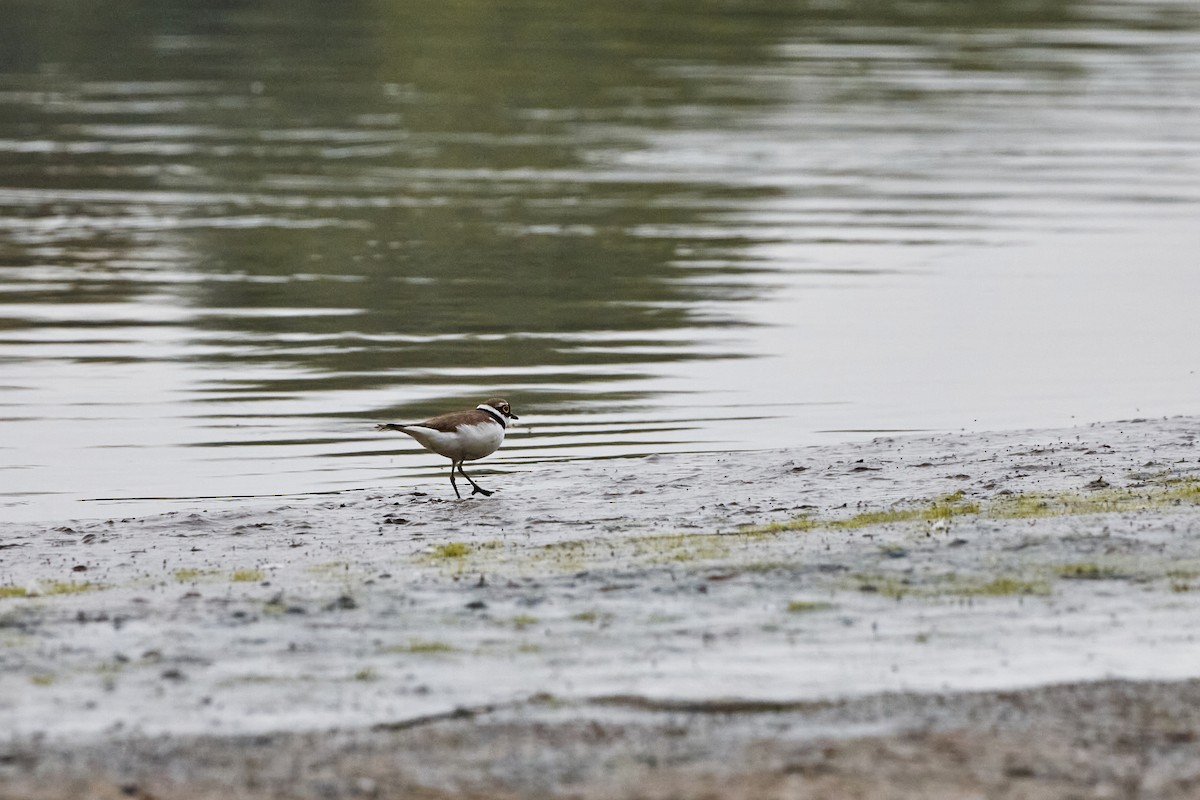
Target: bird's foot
(484, 492)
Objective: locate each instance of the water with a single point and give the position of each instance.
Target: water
(232, 238)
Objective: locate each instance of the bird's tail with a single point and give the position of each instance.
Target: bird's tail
(391, 426)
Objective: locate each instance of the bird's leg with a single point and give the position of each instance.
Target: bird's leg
(475, 487)
(452, 483)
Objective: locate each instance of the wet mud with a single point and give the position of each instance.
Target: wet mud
(873, 619)
(1094, 740)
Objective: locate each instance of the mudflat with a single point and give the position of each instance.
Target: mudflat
(990, 615)
(1092, 740)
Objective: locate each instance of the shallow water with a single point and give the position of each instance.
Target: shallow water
(231, 239)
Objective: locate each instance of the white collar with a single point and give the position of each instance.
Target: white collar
(496, 415)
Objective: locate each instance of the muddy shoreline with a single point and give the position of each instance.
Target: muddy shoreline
(996, 615)
(1096, 740)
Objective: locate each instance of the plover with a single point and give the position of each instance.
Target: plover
(462, 436)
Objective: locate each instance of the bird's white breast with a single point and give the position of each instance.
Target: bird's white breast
(466, 443)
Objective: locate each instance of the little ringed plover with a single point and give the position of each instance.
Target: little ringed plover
(462, 436)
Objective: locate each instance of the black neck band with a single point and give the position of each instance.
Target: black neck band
(496, 415)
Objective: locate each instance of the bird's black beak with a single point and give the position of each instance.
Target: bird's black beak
(512, 416)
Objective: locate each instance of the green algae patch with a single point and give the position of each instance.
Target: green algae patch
(870, 518)
(523, 621)
(1101, 501)
(247, 576)
(1002, 587)
(188, 574)
(683, 547)
(941, 508)
(884, 586)
(417, 646)
(1011, 506)
(1021, 506)
(949, 506)
(1183, 579)
(764, 548)
(1087, 571)
(680, 547)
(801, 524)
(659, 548)
(1183, 490)
(665, 548)
(951, 585)
(1067, 504)
(580, 555)
(366, 675)
(251, 679)
(807, 606)
(13, 591)
(452, 550)
(778, 565)
(71, 587)
(42, 679)
(328, 568)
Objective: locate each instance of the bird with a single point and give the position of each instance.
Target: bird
(462, 436)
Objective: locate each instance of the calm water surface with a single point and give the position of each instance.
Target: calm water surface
(234, 237)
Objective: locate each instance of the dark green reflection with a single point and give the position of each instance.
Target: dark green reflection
(449, 175)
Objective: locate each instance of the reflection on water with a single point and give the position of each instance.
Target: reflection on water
(231, 237)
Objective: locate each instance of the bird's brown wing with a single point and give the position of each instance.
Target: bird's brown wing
(448, 422)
